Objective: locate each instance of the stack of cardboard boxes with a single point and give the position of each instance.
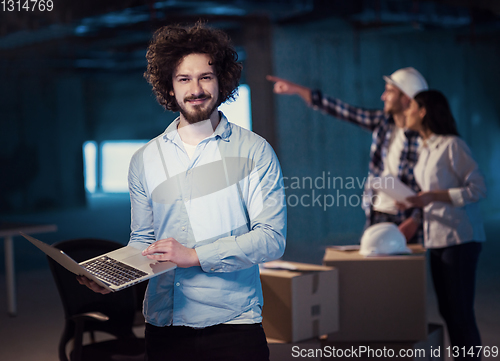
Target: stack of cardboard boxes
(350, 301)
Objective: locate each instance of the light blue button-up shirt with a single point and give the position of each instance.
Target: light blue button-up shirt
(227, 202)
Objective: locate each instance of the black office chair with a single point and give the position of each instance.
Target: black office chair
(87, 311)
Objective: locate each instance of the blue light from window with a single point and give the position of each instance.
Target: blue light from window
(239, 111)
(90, 165)
(116, 156)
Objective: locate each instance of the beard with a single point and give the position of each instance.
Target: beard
(395, 106)
(199, 112)
(392, 109)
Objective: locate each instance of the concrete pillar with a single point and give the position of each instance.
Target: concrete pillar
(257, 40)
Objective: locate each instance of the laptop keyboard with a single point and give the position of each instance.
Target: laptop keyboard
(112, 271)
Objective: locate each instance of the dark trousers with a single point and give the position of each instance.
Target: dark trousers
(214, 343)
(454, 273)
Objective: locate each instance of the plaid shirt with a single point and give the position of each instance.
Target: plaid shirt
(381, 125)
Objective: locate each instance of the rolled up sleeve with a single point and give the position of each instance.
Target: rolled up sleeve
(264, 197)
(142, 230)
(465, 167)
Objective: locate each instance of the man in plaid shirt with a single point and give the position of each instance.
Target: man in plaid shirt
(394, 150)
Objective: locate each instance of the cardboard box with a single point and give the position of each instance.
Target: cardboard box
(380, 298)
(299, 304)
(429, 349)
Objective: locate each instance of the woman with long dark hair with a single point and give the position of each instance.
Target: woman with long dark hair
(451, 185)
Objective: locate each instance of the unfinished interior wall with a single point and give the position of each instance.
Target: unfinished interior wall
(349, 64)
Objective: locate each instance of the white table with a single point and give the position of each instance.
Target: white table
(8, 230)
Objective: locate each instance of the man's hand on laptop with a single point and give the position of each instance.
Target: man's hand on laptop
(169, 249)
(92, 285)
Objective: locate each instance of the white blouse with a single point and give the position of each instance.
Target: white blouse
(445, 162)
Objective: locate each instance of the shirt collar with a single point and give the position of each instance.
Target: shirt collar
(432, 142)
(410, 133)
(222, 131)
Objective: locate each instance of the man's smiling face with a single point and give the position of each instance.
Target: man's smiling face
(196, 87)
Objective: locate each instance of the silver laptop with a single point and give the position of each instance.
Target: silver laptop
(114, 270)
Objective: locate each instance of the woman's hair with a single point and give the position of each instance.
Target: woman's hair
(170, 44)
(438, 118)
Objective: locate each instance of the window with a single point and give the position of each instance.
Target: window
(90, 165)
(239, 111)
(116, 157)
(106, 164)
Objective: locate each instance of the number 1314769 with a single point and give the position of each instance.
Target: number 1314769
(26, 5)
(474, 351)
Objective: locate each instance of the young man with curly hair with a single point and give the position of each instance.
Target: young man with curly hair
(208, 196)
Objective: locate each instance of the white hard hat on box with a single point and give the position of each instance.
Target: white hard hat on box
(408, 80)
(383, 239)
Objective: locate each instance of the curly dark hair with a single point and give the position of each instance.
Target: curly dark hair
(170, 44)
(438, 117)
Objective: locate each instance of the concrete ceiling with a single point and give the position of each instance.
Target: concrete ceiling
(83, 32)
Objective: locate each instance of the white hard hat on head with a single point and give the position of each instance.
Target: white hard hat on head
(408, 80)
(383, 239)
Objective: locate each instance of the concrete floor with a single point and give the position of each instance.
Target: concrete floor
(33, 335)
